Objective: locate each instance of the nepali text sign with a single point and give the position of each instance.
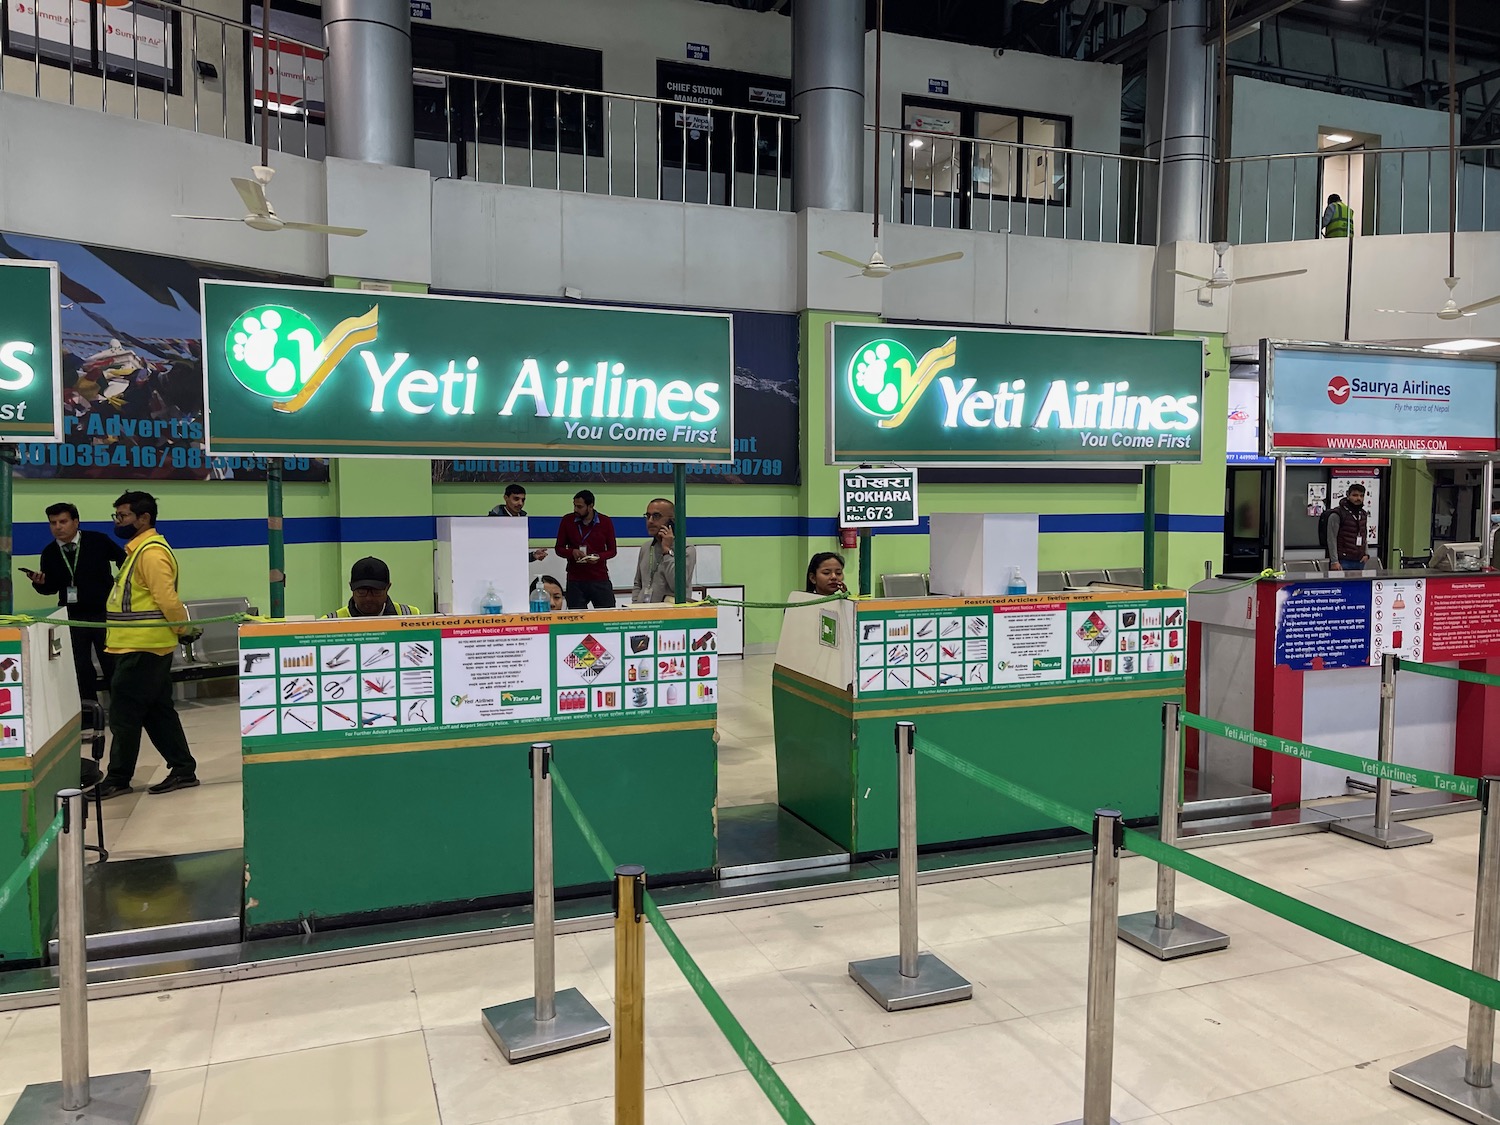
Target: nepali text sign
(1367, 400)
(960, 396)
(878, 498)
(347, 373)
(30, 358)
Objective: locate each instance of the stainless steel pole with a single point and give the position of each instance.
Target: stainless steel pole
(542, 899)
(1171, 793)
(1278, 518)
(1479, 1052)
(1385, 747)
(1104, 909)
(72, 954)
(906, 888)
(1486, 506)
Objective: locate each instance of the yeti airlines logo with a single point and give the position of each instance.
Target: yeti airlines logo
(887, 380)
(278, 353)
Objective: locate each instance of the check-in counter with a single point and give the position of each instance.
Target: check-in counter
(386, 759)
(1300, 656)
(1060, 693)
(39, 754)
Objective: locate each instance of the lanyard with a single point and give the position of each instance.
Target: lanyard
(583, 537)
(71, 560)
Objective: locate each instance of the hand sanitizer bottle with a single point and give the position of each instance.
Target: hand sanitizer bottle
(540, 602)
(490, 601)
(1017, 583)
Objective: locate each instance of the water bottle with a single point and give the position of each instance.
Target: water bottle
(490, 601)
(540, 602)
(1017, 583)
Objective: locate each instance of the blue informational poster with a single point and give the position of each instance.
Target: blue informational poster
(1323, 625)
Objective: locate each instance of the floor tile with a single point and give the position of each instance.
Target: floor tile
(660, 1110)
(380, 1081)
(454, 986)
(1323, 1099)
(714, 941)
(175, 1097)
(812, 933)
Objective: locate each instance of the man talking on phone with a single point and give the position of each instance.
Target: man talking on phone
(656, 569)
(77, 566)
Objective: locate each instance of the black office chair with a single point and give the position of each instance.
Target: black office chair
(91, 772)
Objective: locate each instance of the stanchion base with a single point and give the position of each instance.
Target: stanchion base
(1184, 939)
(519, 1036)
(114, 1099)
(1438, 1079)
(1396, 836)
(1081, 1121)
(935, 983)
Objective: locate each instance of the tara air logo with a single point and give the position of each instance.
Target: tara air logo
(1338, 390)
(278, 352)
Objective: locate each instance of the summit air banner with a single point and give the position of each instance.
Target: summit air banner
(954, 396)
(349, 373)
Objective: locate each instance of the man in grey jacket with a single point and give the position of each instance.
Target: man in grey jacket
(656, 568)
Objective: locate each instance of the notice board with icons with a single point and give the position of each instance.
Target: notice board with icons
(937, 646)
(12, 692)
(325, 683)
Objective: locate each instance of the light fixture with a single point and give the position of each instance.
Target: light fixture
(1461, 346)
(1337, 138)
(916, 142)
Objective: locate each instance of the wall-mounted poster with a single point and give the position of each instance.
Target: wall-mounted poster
(132, 399)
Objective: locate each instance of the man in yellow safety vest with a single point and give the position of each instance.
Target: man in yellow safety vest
(144, 599)
(370, 592)
(1337, 218)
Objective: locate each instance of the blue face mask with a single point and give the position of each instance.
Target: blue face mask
(1495, 518)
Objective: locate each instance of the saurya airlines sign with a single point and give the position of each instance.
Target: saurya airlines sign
(988, 396)
(342, 372)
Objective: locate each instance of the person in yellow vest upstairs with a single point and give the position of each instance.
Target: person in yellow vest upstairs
(370, 593)
(140, 692)
(1337, 218)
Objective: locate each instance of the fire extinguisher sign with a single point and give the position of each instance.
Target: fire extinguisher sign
(878, 498)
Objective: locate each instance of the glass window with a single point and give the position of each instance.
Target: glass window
(930, 161)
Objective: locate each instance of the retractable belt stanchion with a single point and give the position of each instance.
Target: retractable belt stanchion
(1163, 932)
(630, 995)
(1378, 829)
(550, 1021)
(910, 979)
(1460, 1080)
(112, 1099)
(1104, 908)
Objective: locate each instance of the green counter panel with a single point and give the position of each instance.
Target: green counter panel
(28, 801)
(377, 833)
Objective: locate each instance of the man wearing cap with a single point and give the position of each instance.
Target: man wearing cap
(370, 593)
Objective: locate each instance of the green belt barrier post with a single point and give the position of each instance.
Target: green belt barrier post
(549, 1021)
(1164, 933)
(113, 1099)
(1378, 829)
(1104, 909)
(908, 980)
(630, 995)
(1460, 1080)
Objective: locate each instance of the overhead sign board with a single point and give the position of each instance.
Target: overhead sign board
(961, 396)
(1349, 399)
(348, 373)
(30, 355)
(878, 498)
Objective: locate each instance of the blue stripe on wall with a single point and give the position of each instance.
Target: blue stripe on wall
(30, 538)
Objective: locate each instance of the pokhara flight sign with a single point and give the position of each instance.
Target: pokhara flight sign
(964, 396)
(349, 373)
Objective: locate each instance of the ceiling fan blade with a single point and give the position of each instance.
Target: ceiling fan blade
(953, 257)
(209, 218)
(1470, 310)
(253, 194)
(320, 228)
(1194, 276)
(1266, 276)
(848, 261)
(1409, 312)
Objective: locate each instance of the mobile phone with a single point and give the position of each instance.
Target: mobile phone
(30, 573)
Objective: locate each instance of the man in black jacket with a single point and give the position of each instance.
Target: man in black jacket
(77, 567)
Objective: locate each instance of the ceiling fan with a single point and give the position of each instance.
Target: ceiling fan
(1452, 310)
(877, 267)
(1220, 278)
(259, 214)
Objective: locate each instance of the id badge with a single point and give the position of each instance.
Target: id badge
(72, 595)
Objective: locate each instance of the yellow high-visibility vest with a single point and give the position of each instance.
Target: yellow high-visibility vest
(131, 600)
(1343, 219)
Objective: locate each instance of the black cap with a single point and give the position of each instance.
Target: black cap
(369, 573)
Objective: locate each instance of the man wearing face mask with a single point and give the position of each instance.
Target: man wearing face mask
(1346, 532)
(143, 600)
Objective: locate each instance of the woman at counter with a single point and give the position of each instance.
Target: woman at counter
(825, 575)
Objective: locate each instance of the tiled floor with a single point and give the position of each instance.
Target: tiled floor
(210, 817)
(1280, 1029)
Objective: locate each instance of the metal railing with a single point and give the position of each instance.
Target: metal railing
(165, 63)
(1402, 190)
(532, 134)
(972, 183)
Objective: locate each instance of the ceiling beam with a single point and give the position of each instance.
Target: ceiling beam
(1250, 15)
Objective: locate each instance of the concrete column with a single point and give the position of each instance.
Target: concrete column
(1179, 104)
(828, 93)
(367, 79)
